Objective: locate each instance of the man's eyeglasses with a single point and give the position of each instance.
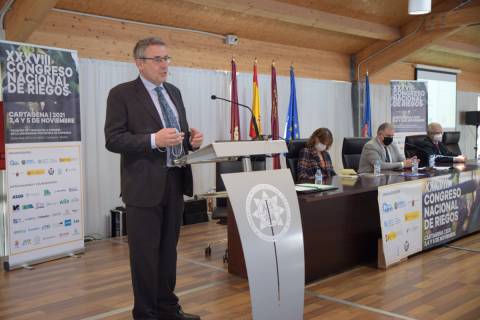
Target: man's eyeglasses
(157, 59)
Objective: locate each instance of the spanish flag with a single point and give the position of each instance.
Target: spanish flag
(255, 104)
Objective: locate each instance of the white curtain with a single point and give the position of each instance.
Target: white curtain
(320, 103)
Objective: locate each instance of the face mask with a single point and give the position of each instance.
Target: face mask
(320, 147)
(437, 138)
(387, 140)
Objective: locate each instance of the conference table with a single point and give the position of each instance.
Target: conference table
(341, 228)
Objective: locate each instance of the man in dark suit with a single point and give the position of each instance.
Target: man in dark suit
(432, 145)
(146, 123)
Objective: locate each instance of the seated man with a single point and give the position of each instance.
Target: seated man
(432, 145)
(381, 148)
(315, 156)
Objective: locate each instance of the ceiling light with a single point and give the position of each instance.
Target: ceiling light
(416, 7)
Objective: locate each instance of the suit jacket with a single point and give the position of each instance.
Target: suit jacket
(428, 148)
(373, 150)
(131, 119)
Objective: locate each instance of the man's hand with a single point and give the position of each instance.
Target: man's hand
(460, 158)
(407, 163)
(167, 137)
(196, 138)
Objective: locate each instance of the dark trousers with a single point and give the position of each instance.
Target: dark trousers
(152, 239)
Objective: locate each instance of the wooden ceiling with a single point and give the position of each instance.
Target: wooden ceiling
(375, 33)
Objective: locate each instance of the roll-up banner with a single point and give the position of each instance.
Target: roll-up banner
(44, 189)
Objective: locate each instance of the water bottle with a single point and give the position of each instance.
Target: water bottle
(431, 161)
(415, 166)
(377, 168)
(319, 177)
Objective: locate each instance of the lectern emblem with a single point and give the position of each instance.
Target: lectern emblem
(268, 212)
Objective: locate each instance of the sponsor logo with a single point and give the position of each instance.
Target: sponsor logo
(16, 207)
(27, 206)
(414, 215)
(57, 225)
(26, 242)
(46, 227)
(17, 196)
(66, 159)
(406, 245)
(39, 205)
(20, 231)
(13, 163)
(70, 169)
(49, 237)
(74, 210)
(34, 194)
(60, 190)
(391, 222)
(46, 161)
(17, 174)
(75, 232)
(30, 219)
(387, 207)
(47, 192)
(33, 229)
(72, 189)
(67, 222)
(51, 171)
(67, 213)
(24, 162)
(390, 236)
(56, 214)
(63, 234)
(15, 221)
(74, 200)
(399, 204)
(44, 216)
(64, 201)
(17, 244)
(51, 204)
(36, 172)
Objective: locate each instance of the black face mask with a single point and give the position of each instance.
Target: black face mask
(387, 140)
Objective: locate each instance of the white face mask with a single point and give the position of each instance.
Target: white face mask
(437, 138)
(320, 147)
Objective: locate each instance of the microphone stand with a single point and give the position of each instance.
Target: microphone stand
(255, 126)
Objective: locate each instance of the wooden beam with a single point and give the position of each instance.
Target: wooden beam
(107, 39)
(457, 18)
(24, 17)
(290, 13)
(458, 48)
(414, 38)
(402, 49)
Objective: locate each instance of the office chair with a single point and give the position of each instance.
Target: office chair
(351, 151)
(294, 147)
(450, 140)
(411, 143)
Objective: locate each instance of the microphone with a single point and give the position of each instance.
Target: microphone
(255, 126)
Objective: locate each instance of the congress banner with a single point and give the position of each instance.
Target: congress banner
(422, 214)
(40, 89)
(409, 106)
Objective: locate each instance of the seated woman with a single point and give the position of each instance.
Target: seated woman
(315, 156)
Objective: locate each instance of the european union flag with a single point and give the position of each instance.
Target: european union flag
(292, 130)
(367, 117)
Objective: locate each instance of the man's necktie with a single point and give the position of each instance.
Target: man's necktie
(170, 122)
(387, 156)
